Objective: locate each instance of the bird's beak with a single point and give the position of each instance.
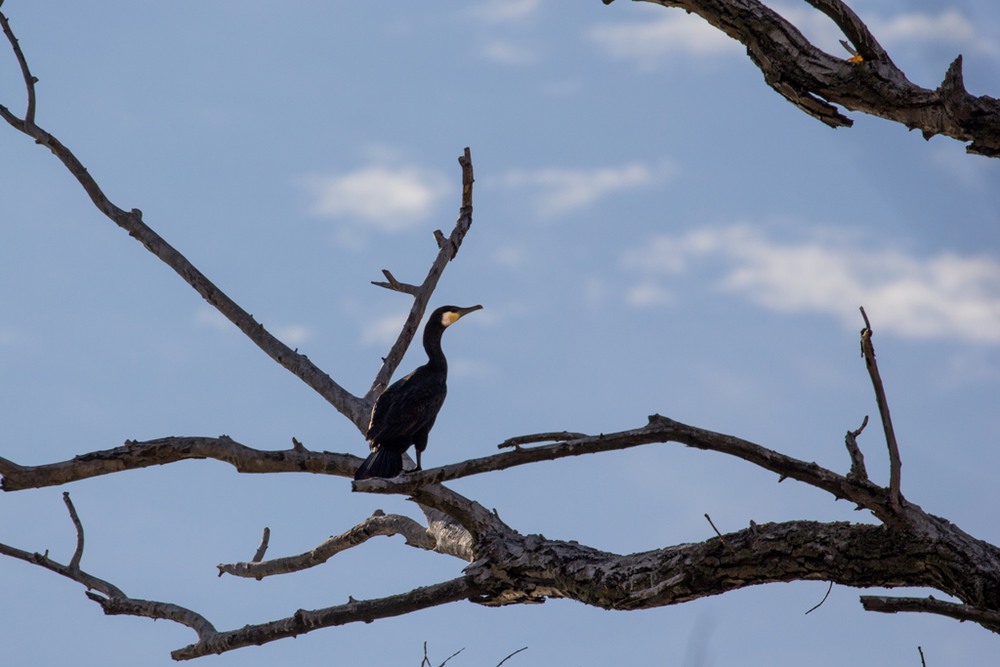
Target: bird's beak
(462, 312)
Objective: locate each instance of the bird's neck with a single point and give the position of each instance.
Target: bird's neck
(432, 345)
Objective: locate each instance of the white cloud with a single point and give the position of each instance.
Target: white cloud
(559, 191)
(672, 33)
(389, 198)
(943, 296)
(382, 330)
(508, 53)
(292, 334)
(503, 11)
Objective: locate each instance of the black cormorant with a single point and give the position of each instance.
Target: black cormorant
(405, 412)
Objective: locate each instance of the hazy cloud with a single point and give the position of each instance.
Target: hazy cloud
(388, 198)
(669, 34)
(558, 191)
(508, 53)
(944, 295)
(502, 11)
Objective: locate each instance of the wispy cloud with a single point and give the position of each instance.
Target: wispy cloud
(382, 330)
(386, 197)
(941, 296)
(508, 53)
(504, 11)
(557, 191)
(649, 42)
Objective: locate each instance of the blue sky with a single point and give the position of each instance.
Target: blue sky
(655, 231)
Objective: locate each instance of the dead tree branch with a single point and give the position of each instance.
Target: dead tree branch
(355, 611)
(377, 524)
(134, 455)
(448, 248)
(961, 612)
(815, 81)
(895, 464)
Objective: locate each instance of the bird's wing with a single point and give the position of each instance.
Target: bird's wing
(406, 407)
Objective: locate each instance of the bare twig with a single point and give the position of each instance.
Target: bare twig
(712, 524)
(394, 284)
(74, 563)
(523, 648)
(895, 465)
(258, 555)
(963, 612)
(375, 525)
(858, 470)
(29, 80)
(923, 663)
(820, 603)
(553, 436)
(448, 248)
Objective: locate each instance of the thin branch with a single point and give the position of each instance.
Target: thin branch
(355, 611)
(523, 648)
(895, 464)
(422, 293)
(258, 555)
(853, 28)
(29, 80)
(962, 612)
(394, 284)
(109, 596)
(712, 524)
(377, 524)
(131, 221)
(923, 663)
(820, 603)
(74, 563)
(554, 436)
(134, 455)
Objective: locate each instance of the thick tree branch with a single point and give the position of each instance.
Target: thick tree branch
(815, 81)
(355, 611)
(377, 524)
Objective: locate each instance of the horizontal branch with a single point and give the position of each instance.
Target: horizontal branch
(377, 524)
(355, 611)
(962, 612)
(134, 454)
(659, 430)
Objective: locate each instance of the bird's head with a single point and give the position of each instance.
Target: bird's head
(448, 315)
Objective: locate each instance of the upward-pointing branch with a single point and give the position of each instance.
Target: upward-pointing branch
(131, 221)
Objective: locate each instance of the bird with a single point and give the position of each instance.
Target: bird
(405, 412)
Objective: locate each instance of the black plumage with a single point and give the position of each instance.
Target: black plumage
(405, 412)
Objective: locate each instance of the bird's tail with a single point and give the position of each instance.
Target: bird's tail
(380, 463)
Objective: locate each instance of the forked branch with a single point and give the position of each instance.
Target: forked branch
(817, 82)
(377, 524)
(447, 249)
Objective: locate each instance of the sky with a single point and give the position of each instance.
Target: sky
(655, 231)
